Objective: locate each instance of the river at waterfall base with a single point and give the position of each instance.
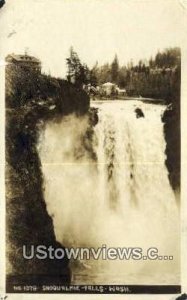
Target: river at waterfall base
(111, 188)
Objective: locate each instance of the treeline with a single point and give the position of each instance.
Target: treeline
(153, 78)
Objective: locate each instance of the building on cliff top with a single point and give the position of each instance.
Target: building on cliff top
(24, 61)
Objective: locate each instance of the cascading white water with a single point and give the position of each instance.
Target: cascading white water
(120, 198)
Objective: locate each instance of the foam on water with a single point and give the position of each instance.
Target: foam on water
(122, 198)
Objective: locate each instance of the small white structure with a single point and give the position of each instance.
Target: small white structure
(109, 88)
(121, 92)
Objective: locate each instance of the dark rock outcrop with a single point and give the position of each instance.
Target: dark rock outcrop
(31, 99)
(139, 113)
(171, 119)
(2, 2)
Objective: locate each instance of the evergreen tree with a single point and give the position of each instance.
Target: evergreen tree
(115, 70)
(77, 73)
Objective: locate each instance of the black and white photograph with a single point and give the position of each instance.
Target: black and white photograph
(92, 137)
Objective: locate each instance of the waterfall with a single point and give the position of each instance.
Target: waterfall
(121, 197)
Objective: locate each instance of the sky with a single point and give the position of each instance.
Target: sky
(97, 29)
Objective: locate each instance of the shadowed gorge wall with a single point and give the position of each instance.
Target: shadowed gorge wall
(172, 131)
(31, 99)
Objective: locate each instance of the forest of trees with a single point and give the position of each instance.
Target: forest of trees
(153, 78)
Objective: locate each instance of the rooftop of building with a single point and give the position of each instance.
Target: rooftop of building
(22, 58)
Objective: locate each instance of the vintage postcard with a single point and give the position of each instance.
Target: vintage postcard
(93, 147)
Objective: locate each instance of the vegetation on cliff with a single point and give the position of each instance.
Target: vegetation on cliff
(31, 99)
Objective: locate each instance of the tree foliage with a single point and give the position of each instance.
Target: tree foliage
(115, 70)
(152, 79)
(78, 73)
(149, 79)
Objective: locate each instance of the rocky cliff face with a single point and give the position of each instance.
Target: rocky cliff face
(32, 99)
(171, 119)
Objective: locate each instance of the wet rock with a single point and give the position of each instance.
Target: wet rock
(171, 120)
(93, 116)
(139, 113)
(2, 2)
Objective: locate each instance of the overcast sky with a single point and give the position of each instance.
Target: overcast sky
(97, 29)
